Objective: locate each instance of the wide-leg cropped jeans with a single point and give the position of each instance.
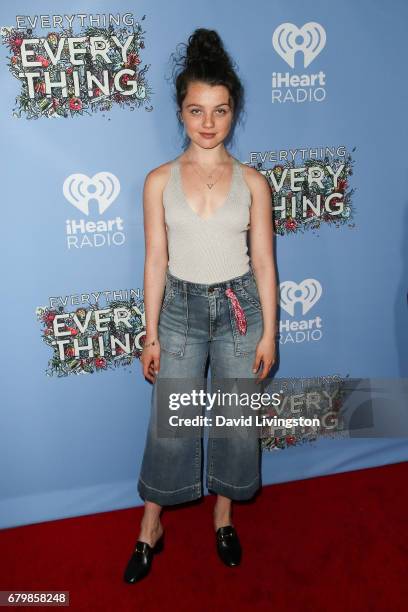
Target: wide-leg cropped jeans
(198, 321)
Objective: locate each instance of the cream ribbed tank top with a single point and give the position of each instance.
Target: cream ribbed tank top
(207, 250)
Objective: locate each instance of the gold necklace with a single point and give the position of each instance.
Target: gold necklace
(211, 184)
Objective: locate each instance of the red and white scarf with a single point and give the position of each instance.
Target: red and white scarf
(238, 311)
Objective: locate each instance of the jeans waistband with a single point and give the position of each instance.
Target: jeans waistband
(179, 285)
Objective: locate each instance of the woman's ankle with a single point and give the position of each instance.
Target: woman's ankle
(150, 533)
(222, 518)
(151, 525)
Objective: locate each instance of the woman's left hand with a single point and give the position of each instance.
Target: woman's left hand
(265, 352)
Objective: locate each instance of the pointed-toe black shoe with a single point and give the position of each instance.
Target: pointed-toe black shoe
(228, 545)
(140, 562)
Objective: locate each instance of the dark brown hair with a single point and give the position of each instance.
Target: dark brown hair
(205, 59)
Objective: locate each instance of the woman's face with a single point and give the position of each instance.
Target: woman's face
(207, 113)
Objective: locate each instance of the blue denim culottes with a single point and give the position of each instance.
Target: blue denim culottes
(197, 321)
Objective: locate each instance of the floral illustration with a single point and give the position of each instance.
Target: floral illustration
(123, 77)
(101, 352)
(297, 216)
(331, 417)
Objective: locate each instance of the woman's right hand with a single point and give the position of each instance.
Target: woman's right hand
(150, 360)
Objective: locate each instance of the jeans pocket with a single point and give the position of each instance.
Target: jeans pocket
(169, 294)
(249, 292)
(173, 323)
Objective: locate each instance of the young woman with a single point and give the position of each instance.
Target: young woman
(219, 299)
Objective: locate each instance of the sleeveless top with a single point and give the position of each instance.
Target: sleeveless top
(210, 250)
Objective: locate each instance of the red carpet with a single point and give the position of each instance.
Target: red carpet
(324, 544)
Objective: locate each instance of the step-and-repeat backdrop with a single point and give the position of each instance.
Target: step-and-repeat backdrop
(87, 110)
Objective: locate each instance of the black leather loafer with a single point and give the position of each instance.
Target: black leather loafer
(141, 560)
(228, 545)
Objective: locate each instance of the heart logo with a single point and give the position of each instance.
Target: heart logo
(310, 292)
(105, 185)
(285, 41)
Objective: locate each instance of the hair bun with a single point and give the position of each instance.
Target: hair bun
(203, 59)
(205, 45)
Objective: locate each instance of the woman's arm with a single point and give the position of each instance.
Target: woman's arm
(261, 239)
(156, 261)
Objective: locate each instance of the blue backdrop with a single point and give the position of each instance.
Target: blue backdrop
(323, 79)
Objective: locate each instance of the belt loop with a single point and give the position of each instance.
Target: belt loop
(239, 282)
(184, 287)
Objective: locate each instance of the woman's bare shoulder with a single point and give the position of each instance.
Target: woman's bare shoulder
(158, 177)
(256, 180)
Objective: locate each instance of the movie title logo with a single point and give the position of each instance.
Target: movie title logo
(65, 73)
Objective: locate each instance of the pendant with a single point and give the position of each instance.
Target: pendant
(210, 185)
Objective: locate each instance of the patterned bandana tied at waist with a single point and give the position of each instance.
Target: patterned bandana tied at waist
(238, 311)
